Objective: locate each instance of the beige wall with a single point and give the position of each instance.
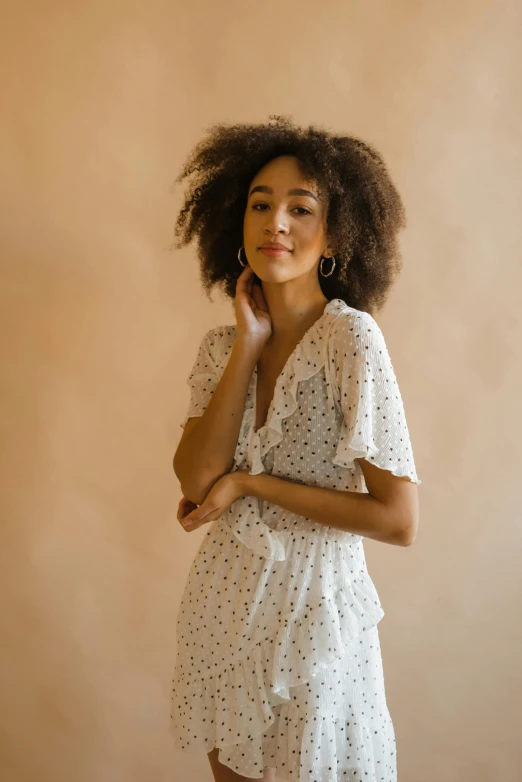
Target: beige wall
(100, 323)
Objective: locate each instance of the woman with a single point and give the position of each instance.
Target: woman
(295, 448)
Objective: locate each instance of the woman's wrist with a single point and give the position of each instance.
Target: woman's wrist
(249, 350)
(243, 483)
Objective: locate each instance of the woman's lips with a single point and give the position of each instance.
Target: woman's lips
(273, 251)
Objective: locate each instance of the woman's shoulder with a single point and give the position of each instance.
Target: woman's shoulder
(218, 333)
(350, 322)
(355, 335)
(346, 315)
(220, 340)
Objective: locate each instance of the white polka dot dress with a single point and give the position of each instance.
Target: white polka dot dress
(278, 657)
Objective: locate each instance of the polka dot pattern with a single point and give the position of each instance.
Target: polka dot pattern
(278, 661)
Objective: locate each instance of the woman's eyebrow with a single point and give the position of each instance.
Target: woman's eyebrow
(295, 191)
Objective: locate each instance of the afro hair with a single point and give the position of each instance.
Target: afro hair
(365, 211)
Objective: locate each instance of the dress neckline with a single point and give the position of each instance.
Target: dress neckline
(332, 306)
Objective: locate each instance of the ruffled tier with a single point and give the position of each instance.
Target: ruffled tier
(313, 747)
(362, 446)
(318, 748)
(237, 700)
(373, 422)
(320, 596)
(245, 522)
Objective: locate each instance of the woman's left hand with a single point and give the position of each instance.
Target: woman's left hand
(223, 493)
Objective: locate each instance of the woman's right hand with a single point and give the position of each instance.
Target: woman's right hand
(254, 324)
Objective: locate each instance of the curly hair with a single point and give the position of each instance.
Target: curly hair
(365, 211)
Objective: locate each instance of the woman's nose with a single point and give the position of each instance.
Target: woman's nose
(276, 223)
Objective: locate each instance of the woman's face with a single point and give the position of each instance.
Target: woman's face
(283, 207)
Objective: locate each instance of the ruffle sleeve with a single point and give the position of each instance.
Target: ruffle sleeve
(374, 423)
(203, 378)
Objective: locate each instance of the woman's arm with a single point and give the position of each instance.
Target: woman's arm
(207, 447)
(389, 514)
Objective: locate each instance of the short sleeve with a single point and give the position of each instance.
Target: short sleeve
(203, 378)
(374, 423)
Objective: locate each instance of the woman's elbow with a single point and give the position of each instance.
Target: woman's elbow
(195, 484)
(408, 533)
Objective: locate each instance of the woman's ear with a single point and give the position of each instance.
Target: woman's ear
(329, 251)
(330, 248)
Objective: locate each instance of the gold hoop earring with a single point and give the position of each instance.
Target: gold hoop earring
(239, 257)
(321, 266)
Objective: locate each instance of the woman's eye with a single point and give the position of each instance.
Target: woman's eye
(305, 211)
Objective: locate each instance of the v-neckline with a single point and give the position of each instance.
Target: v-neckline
(282, 373)
(269, 411)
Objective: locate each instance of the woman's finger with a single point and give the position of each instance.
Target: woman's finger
(185, 507)
(201, 516)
